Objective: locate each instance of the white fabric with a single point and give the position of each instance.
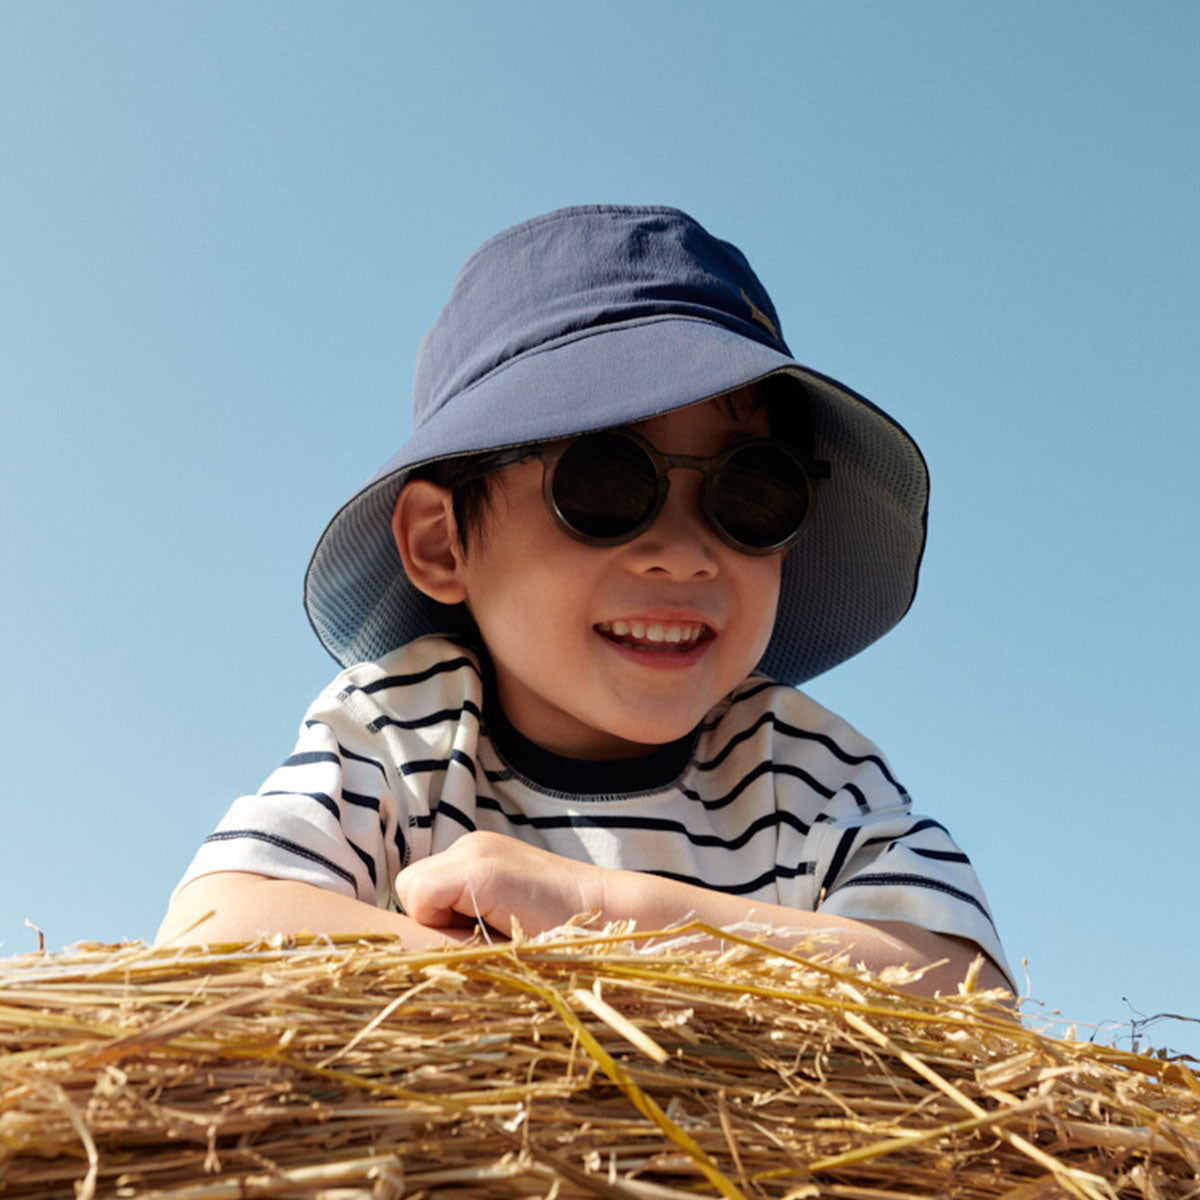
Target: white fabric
(781, 801)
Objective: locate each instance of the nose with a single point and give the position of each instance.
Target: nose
(680, 544)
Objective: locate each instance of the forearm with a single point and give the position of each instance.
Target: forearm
(507, 884)
(657, 903)
(234, 906)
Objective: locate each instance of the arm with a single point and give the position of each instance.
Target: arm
(496, 879)
(236, 906)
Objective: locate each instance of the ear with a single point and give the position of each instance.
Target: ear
(426, 535)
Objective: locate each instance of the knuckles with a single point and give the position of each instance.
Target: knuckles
(481, 843)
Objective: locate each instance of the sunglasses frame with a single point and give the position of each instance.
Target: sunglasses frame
(814, 470)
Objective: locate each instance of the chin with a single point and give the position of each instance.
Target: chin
(654, 733)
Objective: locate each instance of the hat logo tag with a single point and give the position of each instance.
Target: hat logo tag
(761, 317)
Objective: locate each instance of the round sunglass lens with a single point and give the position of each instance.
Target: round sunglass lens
(604, 486)
(759, 497)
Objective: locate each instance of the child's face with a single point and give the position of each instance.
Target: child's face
(573, 629)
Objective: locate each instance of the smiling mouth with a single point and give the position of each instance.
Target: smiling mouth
(673, 636)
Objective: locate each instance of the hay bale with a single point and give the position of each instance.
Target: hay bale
(573, 1065)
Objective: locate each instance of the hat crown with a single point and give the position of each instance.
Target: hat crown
(577, 271)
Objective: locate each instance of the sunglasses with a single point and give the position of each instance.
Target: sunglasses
(608, 487)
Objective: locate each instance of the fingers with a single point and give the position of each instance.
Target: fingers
(460, 885)
(438, 891)
(494, 879)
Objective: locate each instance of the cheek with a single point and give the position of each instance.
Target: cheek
(525, 585)
(762, 596)
(764, 579)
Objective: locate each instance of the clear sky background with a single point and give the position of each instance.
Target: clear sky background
(225, 226)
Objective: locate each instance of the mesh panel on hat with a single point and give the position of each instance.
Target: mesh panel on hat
(360, 601)
(853, 575)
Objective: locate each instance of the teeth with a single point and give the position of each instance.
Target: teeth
(655, 633)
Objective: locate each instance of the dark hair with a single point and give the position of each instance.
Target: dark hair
(468, 476)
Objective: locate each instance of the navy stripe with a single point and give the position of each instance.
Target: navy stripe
(464, 760)
(804, 868)
(766, 768)
(362, 758)
(348, 754)
(882, 879)
(394, 681)
(766, 879)
(326, 802)
(455, 814)
(839, 858)
(229, 835)
(730, 796)
(307, 757)
(916, 827)
(798, 773)
(420, 766)
(794, 731)
(360, 801)
(940, 855)
(751, 690)
(366, 859)
(446, 714)
(736, 740)
(657, 824)
(859, 798)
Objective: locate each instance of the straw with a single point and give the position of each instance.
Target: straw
(625, 1065)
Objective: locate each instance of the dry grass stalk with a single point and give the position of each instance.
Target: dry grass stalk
(577, 1065)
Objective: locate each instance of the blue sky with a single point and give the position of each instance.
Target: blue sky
(226, 226)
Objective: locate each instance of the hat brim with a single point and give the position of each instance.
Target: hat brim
(849, 579)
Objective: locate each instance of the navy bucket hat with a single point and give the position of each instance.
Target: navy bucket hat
(605, 315)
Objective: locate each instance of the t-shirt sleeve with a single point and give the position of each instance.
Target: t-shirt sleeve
(350, 806)
(856, 847)
(326, 816)
(892, 865)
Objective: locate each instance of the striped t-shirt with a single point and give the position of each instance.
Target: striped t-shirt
(773, 798)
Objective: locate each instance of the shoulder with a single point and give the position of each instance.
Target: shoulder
(784, 711)
(434, 662)
(764, 725)
(431, 675)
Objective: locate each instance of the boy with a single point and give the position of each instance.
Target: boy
(573, 610)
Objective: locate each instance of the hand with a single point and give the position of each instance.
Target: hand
(498, 880)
